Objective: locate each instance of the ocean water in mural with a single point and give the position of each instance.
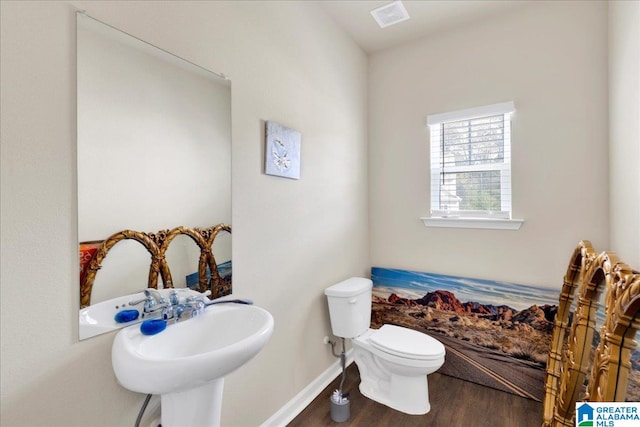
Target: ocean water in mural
(496, 333)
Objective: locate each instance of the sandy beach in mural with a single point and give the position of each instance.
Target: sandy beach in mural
(497, 334)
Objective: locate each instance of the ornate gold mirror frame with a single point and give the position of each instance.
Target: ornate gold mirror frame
(157, 245)
(573, 374)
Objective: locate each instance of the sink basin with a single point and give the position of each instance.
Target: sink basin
(186, 363)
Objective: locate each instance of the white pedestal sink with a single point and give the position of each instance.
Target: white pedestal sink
(186, 363)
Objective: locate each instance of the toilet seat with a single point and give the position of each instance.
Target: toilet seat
(406, 343)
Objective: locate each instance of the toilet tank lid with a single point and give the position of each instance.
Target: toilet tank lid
(349, 288)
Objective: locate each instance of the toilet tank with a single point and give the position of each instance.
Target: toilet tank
(350, 306)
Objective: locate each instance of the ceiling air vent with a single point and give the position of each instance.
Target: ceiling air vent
(390, 14)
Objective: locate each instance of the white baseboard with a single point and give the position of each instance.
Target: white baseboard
(300, 401)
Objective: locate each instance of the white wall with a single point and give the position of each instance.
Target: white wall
(551, 59)
(288, 63)
(624, 129)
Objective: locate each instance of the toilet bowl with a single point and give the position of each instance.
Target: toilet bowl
(393, 361)
(391, 375)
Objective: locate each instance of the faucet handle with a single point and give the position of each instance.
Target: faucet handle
(193, 308)
(153, 300)
(147, 298)
(155, 294)
(200, 297)
(139, 301)
(205, 294)
(173, 297)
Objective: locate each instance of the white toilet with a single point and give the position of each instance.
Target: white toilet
(393, 361)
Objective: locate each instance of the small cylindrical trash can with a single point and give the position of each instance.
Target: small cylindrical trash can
(340, 411)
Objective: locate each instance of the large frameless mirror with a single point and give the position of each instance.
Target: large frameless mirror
(154, 154)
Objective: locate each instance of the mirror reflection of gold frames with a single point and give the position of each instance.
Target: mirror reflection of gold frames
(157, 245)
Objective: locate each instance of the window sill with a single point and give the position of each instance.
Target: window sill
(487, 223)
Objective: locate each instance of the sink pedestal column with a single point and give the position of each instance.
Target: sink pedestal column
(199, 406)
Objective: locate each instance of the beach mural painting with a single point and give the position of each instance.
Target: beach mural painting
(497, 334)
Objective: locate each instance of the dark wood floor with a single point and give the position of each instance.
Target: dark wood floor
(454, 403)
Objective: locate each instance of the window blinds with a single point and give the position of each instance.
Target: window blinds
(471, 162)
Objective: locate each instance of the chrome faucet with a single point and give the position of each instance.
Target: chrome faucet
(192, 306)
(154, 295)
(153, 303)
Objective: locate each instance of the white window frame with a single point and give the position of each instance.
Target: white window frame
(471, 219)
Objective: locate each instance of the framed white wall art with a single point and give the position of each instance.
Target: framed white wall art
(282, 151)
